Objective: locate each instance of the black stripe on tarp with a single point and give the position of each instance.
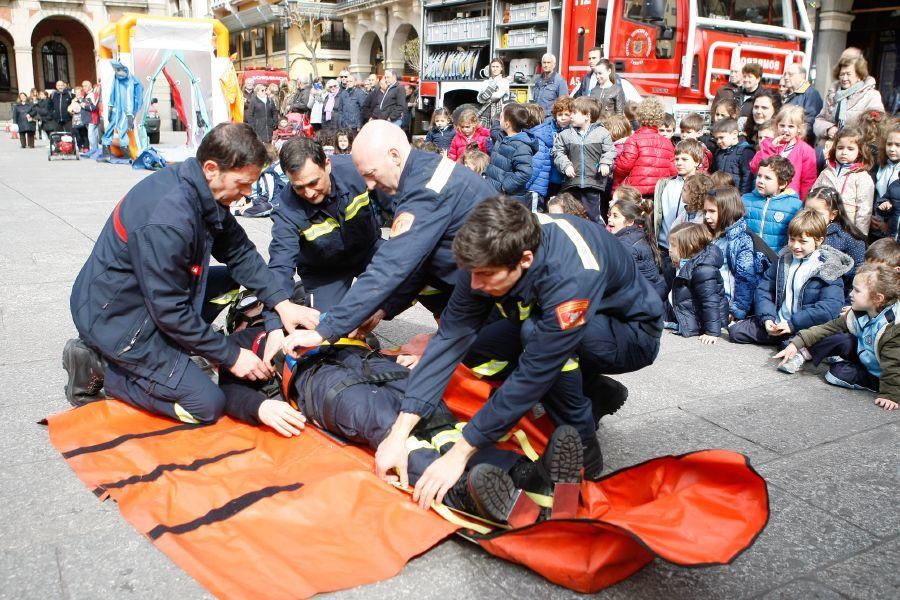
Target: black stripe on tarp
(128, 436)
(224, 512)
(158, 471)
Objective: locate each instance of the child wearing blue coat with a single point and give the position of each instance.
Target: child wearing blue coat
(442, 131)
(801, 289)
(771, 206)
(697, 303)
(629, 221)
(510, 168)
(542, 164)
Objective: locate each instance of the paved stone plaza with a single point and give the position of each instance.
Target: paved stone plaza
(830, 456)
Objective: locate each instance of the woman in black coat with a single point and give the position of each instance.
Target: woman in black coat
(44, 115)
(261, 114)
(24, 116)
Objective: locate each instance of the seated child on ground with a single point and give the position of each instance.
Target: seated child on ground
(803, 288)
(842, 233)
(697, 303)
(343, 141)
(886, 217)
(475, 160)
(847, 171)
(772, 205)
(442, 132)
(630, 223)
(511, 168)
(866, 338)
(884, 252)
(469, 133)
(567, 204)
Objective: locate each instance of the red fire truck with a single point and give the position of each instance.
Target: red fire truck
(680, 50)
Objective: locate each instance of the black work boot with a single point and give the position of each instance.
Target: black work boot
(560, 463)
(85, 371)
(593, 459)
(607, 395)
(491, 492)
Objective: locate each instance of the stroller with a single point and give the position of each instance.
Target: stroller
(62, 144)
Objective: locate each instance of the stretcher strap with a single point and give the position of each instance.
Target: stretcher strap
(521, 438)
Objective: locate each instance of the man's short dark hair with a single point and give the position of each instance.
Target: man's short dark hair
(297, 150)
(495, 234)
(232, 146)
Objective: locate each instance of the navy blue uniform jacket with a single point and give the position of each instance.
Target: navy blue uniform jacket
(433, 199)
(579, 271)
(138, 297)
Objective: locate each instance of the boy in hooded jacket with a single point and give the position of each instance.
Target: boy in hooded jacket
(510, 169)
(542, 164)
(772, 205)
(734, 154)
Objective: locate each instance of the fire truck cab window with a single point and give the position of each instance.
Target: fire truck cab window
(650, 11)
(762, 12)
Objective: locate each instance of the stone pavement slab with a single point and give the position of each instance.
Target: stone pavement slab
(871, 574)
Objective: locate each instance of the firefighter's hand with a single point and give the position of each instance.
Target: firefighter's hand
(408, 360)
(442, 474)
(249, 366)
(294, 316)
(369, 324)
(282, 417)
(274, 339)
(570, 171)
(300, 339)
(391, 456)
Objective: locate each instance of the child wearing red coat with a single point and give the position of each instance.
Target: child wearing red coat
(791, 123)
(647, 156)
(469, 132)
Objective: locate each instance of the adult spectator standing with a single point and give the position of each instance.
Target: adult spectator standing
(350, 104)
(432, 198)
(25, 117)
(549, 85)
(331, 118)
(262, 114)
(853, 95)
(589, 80)
(316, 104)
(732, 89)
(60, 100)
(44, 114)
(300, 98)
(90, 113)
(373, 91)
(392, 102)
(805, 95)
(494, 95)
(752, 85)
(607, 91)
(139, 299)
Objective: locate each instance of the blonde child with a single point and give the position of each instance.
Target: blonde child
(847, 171)
(475, 160)
(442, 132)
(567, 204)
(697, 302)
(884, 252)
(886, 216)
(866, 337)
(619, 130)
(469, 133)
(789, 143)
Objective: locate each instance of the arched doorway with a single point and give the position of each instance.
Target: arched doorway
(63, 51)
(404, 34)
(370, 52)
(376, 57)
(8, 87)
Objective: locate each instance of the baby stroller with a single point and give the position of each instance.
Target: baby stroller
(62, 144)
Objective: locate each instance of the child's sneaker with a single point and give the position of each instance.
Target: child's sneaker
(835, 380)
(793, 364)
(832, 360)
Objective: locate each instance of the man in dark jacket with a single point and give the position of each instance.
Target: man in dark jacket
(373, 90)
(59, 107)
(548, 85)
(805, 95)
(392, 102)
(572, 301)
(349, 104)
(139, 298)
(261, 114)
(586, 86)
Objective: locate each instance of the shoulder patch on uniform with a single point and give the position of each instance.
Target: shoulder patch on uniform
(571, 314)
(402, 223)
(441, 175)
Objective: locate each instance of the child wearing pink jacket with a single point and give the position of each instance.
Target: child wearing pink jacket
(791, 123)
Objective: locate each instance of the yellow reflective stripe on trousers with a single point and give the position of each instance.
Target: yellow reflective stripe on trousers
(183, 415)
(320, 229)
(588, 260)
(445, 437)
(356, 204)
(227, 297)
(490, 368)
(570, 365)
(522, 439)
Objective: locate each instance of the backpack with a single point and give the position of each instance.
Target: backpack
(269, 185)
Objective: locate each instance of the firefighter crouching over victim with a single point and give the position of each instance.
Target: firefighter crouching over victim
(139, 299)
(351, 391)
(571, 292)
(432, 197)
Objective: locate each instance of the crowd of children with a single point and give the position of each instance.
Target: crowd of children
(744, 227)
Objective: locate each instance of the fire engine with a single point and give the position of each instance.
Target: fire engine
(679, 50)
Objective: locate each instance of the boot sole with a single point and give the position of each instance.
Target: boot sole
(71, 347)
(492, 490)
(610, 403)
(564, 456)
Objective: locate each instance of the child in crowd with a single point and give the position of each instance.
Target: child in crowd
(849, 161)
(584, 154)
(630, 223)
(424, 146)
(766, 131)
(541, 165)
(560, 119)
(469, 132)
(475, 160)
(866, 337)
(647, 156)
(668, 201)
(298, 117)
(693, 195)
(343, 141)
(789, 143)
(284, 131)
(691, 128)
(720, 179)
(442, 132)
(871, 125)
(771, 206)
(567, 204)
(886, 217)
(884, 252)
(510, 168)
(723, 213)
(734, 154)
(631, 107)
(697, 303)
(803, 288)
(667, 128)
(619, 130)
(842, 234)
(725, 108)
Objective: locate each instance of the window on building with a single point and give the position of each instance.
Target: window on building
(5, 75)
(335, 37)
(55, 63)
(246, 44)
(233, 41)
(259, 41)
(278, 38)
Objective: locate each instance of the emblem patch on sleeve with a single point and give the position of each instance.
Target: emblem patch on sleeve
(402, 223)
(571, 314)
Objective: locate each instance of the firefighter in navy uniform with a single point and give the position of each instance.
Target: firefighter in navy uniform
(139, 298)
(326, 228)
(583, 299)
(432, 197)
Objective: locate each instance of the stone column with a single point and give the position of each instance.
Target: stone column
(24, 68)
(834, 23)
